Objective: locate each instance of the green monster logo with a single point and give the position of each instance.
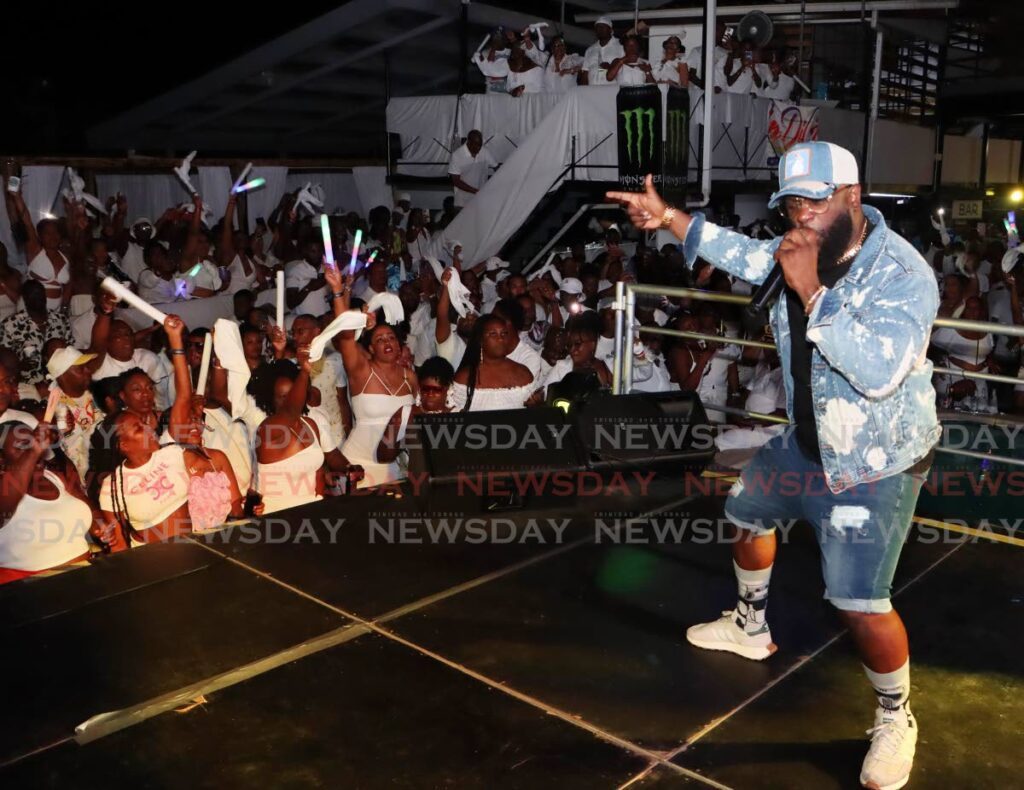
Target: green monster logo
(676, 133)
(637, 116)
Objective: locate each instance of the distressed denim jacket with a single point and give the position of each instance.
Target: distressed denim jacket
(874, 404)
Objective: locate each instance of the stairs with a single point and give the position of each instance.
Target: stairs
(553, 211)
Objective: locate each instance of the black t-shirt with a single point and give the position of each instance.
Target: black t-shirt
(800, 364)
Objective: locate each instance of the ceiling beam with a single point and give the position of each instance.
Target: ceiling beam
(292, 43)
(328, 68)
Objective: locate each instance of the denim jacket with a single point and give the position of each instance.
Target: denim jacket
(874, 403)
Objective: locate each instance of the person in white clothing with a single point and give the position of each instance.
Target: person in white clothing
(305, 286)
(630, 68)
(45, 516)
(512, 313)
(599, 55)
(672, 69)
(123, 355)
(469, 167)
(487, 380)
(776, 78)
(47, 263)
(561, 69)
(522, 75)
(969, 351)
(695, 60)
(133, 261)
(740, 69)
(157, 283)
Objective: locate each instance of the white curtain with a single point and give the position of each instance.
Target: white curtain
(262, 201)
(372, 188)
(339, 189)
(148, 195)
(213, 184)
(40, 186)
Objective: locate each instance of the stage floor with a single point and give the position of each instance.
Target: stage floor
(343, 661)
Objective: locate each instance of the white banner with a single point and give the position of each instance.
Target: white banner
(788, 124)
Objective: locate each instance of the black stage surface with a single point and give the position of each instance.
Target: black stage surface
(226, 662)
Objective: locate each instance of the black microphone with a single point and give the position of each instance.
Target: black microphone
(766, 291)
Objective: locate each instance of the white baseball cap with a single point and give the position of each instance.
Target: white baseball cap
(571, 286)
(603, 20)
(814, 170)
(63, 359)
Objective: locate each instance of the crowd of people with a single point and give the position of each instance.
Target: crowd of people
(139, 449)
(523, 62)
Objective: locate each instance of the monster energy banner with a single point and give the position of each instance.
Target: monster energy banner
(639, 132)
(677, 143)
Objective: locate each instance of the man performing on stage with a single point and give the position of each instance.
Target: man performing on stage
(852, 327)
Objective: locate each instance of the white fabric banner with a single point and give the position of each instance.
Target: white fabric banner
(261, 202)
(214, 184)
(788, 124)
(148, 195)
(372, 188)
(40, 186)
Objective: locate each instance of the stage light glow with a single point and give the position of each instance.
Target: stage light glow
(942, 212)
(1017, 196)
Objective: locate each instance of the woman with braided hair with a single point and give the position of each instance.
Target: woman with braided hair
(487, 380)
(153, 492)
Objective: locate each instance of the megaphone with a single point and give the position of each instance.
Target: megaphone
(755, 27)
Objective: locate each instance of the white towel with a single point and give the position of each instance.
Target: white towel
(350, 319)
(459, 295)
(227, 343)
(394, 313)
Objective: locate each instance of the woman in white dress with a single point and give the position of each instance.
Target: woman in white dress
(382, 385)
(672, 70)
(486, 379)
(969, 351)
(522, 74)
(561, 68)
(631, 69)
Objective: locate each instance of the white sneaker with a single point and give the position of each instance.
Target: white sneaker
(726, 634)
(891, 756)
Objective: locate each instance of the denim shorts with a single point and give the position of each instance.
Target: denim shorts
(861, 531)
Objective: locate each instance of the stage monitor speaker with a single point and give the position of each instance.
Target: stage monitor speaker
(494, 460)
(663, 431)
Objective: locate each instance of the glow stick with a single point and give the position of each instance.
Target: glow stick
(482, 44)
(325, 228)
(372, 258)
(280, 298)
(204, 366)
(194, 270)
(51, 403)
(355, 253)
(123, 294)
(254, 184)
(241, 179)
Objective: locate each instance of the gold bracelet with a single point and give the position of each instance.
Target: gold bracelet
(668, 216)
(813, 299)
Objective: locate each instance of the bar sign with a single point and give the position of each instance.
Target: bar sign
(967, 209)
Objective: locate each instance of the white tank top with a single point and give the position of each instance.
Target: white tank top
(41, 268)
(153, 491)
(45, 533)
(292, 481)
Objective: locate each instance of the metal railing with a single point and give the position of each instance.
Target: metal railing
(622, 370)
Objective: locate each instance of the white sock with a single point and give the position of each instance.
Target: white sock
(892, 688)
(753, 598)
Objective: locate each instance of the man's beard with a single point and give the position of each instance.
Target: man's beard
(835, 242)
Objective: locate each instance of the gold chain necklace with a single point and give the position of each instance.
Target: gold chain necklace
(851, 253)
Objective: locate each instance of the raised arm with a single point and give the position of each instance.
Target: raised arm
(749, 259)
(226, 247)
(181, 409)
(33, 246)
(443, 325)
